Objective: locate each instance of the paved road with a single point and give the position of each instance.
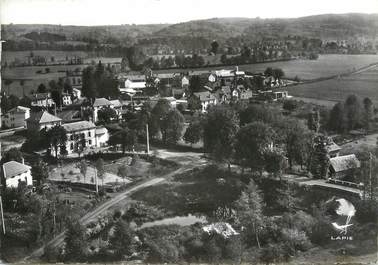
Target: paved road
(188, 161)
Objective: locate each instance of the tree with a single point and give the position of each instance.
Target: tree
(122, 172)
(106, 115)
(82, 166)
(313, 121)
(296, 137)
(368, 113)
(158, 113)
(220, 127)
(278, 73)
(214, 47)
(126, 138)
(12, 154)
(258, 112)
(57, 138)
(193, 133)
(337, 119)
(290, 105)
(353, 112)
(40, 172)
(253, 141)
(194, 103)
(319, 159)
(195, 85)
(76, 246)
(172, 126)
(249, 209)
(122, 242)
(100, 170)
(275, 162)
(41, 88)
(268, 71)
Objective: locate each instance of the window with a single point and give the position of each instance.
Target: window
(90, 142)
(72, 146)
(89, 134)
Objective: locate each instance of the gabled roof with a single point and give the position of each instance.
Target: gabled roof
(68, 115)
(42, 117)
(14, 168)
(101, 130)
(332, 147)
(116, 103)
(99, 102)
(79, 126)
(19, 109)
(41, 96)
(342, 163)
(204, 96)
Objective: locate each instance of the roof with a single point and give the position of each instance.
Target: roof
(116, 103)
(101, 130)
(68, 115)
(79, 126)
(332, 147)
(14, 168)
(101, 102)
(43, 117)
(19, 109)
(40, 96)
(135, 84)
(342, 163)
(204, 96)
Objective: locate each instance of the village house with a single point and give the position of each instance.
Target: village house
(16, 117)
(74, 78)
(343, 167)
(206, 98)
(43, 100)
(102, 136)
(80, 135)
(14, 173)
(332, 148)
(76, 93)
(42, 120)
(98, 104)
(66, 99)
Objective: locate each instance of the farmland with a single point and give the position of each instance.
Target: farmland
(363, 84)
(326, 65)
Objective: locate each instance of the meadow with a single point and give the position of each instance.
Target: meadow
(364, 84)
(21, 56)
(326, 65)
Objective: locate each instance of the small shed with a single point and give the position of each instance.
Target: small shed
(342, 167)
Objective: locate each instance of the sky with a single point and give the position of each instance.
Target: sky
(116, 12)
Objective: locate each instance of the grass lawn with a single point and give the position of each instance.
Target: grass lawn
(196, 192)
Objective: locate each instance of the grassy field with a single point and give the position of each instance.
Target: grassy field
(364, 84)
(21, 56)
(326, 65)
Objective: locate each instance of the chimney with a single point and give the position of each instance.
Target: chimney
(237, 68)
(22, 160)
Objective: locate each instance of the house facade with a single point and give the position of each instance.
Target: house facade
(102, 136)
(14, 173)
(16, 117)
(80, 135)
(207, 99)
(43, 100)
(42, 120)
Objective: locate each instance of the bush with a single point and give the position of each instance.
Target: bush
(290, 105)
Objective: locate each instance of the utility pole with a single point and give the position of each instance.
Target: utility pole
(370, 182)
(2, 215)
(147, 139)
(96, 181)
